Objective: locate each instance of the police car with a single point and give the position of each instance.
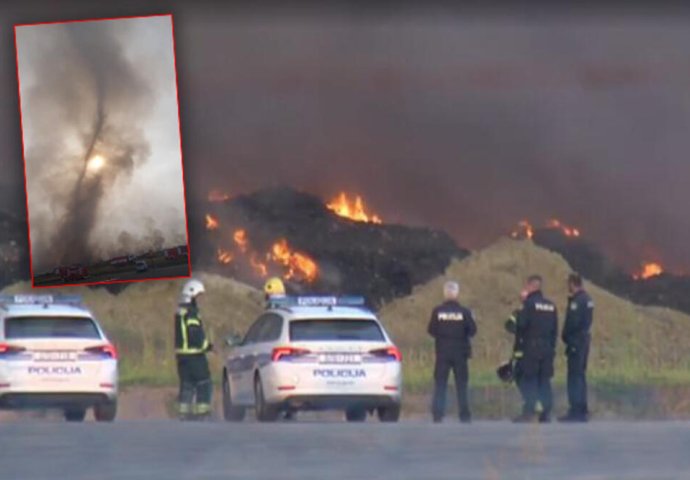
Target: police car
(53, 354)
(313, 353)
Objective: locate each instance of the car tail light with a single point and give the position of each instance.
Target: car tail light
(392, 353)
(107, 350)
(286, 353)
(7, 349)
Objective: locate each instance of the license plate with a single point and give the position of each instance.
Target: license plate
(340, 358)
(55, 356)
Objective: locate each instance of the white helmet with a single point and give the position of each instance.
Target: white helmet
(190, 290)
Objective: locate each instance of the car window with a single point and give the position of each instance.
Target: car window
(51, 327)
(271, 328)
(333, 329)
(253, 332)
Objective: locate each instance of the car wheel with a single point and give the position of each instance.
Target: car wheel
(231, 413)
(389, 413)
(105, 412)
(264, 411)
(75, 414)
(354, 414)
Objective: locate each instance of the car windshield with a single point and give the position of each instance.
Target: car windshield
(50, 327)
(333, 329)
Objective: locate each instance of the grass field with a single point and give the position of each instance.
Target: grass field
(634, 349)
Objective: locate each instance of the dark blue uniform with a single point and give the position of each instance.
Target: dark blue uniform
(537, 333)
(452, 327)
(576, 336)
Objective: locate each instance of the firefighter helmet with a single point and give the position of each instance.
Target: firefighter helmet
(505, 372)
(274, 286)
(190, 290)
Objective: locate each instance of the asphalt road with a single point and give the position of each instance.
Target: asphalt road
(309, 450)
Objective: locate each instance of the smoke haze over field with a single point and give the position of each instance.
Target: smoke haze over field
(466, 122)
(101, 138)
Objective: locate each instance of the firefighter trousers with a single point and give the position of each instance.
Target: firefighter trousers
(194, 398)
(534, 375)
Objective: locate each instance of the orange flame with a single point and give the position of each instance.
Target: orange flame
(295, 262)
(240, 238)
(353, 209)
(294, 265)
(224, 256)
(211, 222)
(524, 230)
(649, 270)
(260, 267)
(217, 196)
(567, 230)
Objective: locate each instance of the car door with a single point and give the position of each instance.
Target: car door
(240, 366)
(269, 334)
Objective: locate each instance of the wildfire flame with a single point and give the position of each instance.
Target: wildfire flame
(211, 222)
(258, 266)
(524, 230)
(218, 196)
(294, 265)
(353, 209)
(567, 230)
(648, 270)
(224, 256)
(240, 238)
(294, 261)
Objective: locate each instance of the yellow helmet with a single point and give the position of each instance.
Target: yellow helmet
(274, 286)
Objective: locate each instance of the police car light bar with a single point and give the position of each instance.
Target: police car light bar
(29, 299)
(317, 301)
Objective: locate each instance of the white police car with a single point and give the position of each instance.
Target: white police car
(53, 354)
(313, 353)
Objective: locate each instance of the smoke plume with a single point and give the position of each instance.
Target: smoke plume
(88, 103)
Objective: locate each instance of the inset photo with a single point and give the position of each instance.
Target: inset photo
(102, 151)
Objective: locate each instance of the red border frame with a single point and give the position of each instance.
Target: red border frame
(179, 126)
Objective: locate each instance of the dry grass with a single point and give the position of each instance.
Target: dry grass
(630, 343)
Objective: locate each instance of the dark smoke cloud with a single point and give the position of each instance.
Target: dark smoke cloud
(86, 98)
(461, 121)
(468, 124)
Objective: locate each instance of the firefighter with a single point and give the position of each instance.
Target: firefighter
(274, 287)
(536, 336)
(452, 327)
(576, 336)
(191, 346)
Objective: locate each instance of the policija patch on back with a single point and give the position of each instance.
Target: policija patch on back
(544, 307)
(451, 316)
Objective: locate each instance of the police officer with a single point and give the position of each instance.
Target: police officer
(511, 327)
(537, 333)
(576, 336)
(452, 327)
(191, 346)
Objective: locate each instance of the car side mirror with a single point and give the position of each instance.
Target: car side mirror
(233, 340)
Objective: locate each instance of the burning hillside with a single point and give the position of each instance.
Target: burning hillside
(315, 245)
(353, 209)
(651, 284)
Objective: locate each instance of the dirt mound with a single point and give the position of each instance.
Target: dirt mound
(380, 261)
(627, 339)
